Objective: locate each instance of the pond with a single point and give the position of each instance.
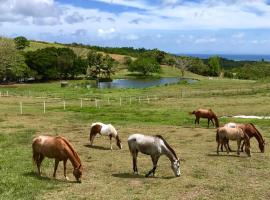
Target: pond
(139, 83)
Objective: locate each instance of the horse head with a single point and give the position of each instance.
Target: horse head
(261, 146)
(176, 167)
(77, 172)
(118, 142)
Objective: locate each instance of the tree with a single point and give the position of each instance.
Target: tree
(182, 64)
(108, 67)
(55, 63)
(156, 54)
(12, 62)
(94, 60)
(21, 42)
(145, 66)
(197, 66)
(127, 60)
(214, 66)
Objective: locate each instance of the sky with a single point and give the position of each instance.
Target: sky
(175, 26)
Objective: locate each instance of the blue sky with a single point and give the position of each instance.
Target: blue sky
(176, 26)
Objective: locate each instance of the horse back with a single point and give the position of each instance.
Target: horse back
(51, 147)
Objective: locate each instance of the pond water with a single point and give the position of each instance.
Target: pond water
(139, 83)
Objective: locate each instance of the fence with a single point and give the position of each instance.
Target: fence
(97, 101)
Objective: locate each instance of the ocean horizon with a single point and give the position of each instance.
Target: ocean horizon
(235, 57)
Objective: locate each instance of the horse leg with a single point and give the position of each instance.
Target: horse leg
(110, 141)
(56, 162)
(134, 156)
(242, 146)
(92, 137)
(218, 146)
(212, 122)
(39, 161)
(208, 122)
(65, 169)
(225, 144)
(154, 161)
(238, 146)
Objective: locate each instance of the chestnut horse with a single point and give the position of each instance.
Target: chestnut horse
(204, 113)
(104, 129)
(251, 131)
(224, 134)
(58, 148)
(155, 146)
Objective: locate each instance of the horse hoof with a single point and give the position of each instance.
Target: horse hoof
(67, 178)
(136, 173)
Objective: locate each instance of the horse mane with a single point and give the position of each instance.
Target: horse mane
(167, 145)
(72, 149)
(260, 135)
(191, 113)
(214, 116)
(96, 123)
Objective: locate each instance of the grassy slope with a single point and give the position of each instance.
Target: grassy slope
(109, 174)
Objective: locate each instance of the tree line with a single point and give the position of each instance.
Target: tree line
(53, 63)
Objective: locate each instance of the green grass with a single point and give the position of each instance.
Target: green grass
(108, 175)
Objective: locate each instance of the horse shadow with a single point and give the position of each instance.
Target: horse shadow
(45, 178)
(140, 176)
(221, 155)
(96, 147)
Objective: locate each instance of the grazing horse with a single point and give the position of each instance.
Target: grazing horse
(224, 134)
(204, 113)
(251, 131)
(58, 148)
(155, 146)
(104, 129)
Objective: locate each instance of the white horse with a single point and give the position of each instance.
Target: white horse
(155, 146)
(104, 129)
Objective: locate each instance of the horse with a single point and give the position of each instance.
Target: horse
(224, 134)
(104, 129)
(251, 131)
(155, 146)
(204, 113)
(58, 148)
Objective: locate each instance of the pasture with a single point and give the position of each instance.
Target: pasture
(108, 174)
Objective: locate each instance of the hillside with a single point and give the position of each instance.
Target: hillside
(80, 51)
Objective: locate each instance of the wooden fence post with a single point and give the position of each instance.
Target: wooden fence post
(21, 108)
(44, 107)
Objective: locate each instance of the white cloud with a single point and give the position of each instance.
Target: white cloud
(238, 35)
(132, 37)
(106, 33)
(205, 40)
(130, 3)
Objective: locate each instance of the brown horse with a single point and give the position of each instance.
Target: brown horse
(251, 131)
(58, 148)
(224, 134)
(204, 113)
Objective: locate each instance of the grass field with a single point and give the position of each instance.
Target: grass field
(108, 174)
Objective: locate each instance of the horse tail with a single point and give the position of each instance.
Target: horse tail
(35, 153)
(217, 135)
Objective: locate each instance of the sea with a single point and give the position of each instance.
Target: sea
(235, 57)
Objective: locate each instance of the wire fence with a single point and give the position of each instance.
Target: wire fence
(47, 101)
